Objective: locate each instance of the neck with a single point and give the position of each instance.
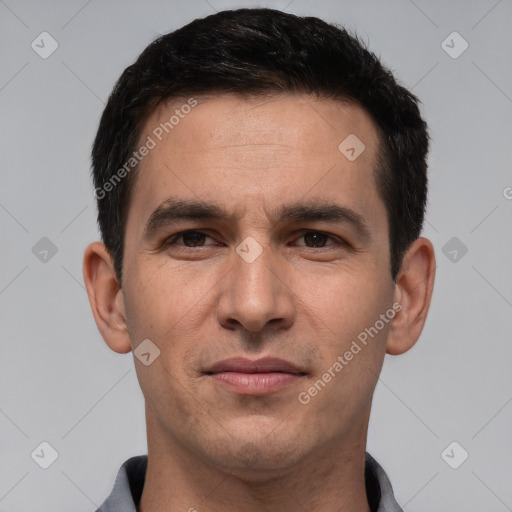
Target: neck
(329, 480)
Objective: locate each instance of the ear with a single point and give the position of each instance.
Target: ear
(105, 297)
(413, 291)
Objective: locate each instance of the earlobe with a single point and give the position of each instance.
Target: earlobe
(413, 291)
(105, 297)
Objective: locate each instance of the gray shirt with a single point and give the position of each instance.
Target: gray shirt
(130, 481)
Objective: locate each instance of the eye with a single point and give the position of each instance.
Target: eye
(318, 239)
(190, 239)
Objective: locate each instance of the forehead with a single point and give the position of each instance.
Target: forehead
(297, 121)
(250, 151)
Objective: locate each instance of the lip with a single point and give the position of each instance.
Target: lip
(255, 377)
(263, 365)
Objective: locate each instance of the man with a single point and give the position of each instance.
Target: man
(261, 185)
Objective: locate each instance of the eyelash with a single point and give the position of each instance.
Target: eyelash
(171, 241)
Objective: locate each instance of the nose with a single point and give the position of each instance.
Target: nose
(256, 293)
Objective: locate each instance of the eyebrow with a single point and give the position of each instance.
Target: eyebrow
(172, 211)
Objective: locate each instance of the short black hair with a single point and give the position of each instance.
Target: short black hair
(261, 52)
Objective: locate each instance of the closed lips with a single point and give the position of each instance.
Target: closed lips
(264, 365)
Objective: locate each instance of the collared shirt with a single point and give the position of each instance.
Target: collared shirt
(129, 483)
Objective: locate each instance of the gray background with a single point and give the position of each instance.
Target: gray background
(61, 384)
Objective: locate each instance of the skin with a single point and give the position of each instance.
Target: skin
(209, 448)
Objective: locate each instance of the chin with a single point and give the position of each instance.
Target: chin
(255, 456)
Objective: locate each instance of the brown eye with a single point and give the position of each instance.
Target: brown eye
(318, 240)
(315, 238)
(193, 237)
(190, 239)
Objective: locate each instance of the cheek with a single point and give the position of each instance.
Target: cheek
(168, 304)
(159, 307)
(161, 295)
(350, 357)
(345, 300)
(350, 337)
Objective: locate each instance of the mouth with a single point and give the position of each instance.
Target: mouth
(255, 377)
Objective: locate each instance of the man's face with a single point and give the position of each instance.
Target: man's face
(259, 284)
